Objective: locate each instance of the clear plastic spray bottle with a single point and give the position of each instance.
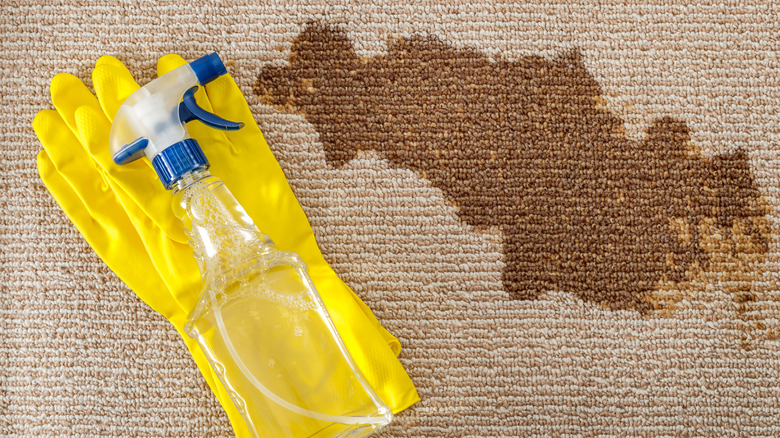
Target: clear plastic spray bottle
(259, 318)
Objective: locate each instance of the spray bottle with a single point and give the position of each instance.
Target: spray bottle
(259, 318)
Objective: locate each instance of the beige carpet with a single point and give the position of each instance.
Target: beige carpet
(567, 213)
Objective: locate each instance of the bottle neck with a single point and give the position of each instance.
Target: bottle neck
(221, 233)
(189, 179)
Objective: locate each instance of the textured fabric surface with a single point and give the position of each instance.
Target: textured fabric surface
(567, 213)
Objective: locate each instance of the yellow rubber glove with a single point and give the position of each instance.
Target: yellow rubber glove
(125, 214)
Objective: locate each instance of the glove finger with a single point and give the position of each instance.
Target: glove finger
(67, 94)
(113, 84)
(109, 60)
(126, 257)
(64, 150)
(137, 180)
(168, 63)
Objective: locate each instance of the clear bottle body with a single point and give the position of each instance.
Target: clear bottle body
(264, 328)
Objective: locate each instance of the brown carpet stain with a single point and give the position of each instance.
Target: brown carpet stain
(527, 146)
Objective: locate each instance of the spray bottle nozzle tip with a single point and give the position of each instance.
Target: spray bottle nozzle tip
(208, 67)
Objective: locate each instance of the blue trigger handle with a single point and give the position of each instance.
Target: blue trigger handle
(189, 111)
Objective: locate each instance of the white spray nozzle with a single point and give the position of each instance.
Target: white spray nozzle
(152, 120)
